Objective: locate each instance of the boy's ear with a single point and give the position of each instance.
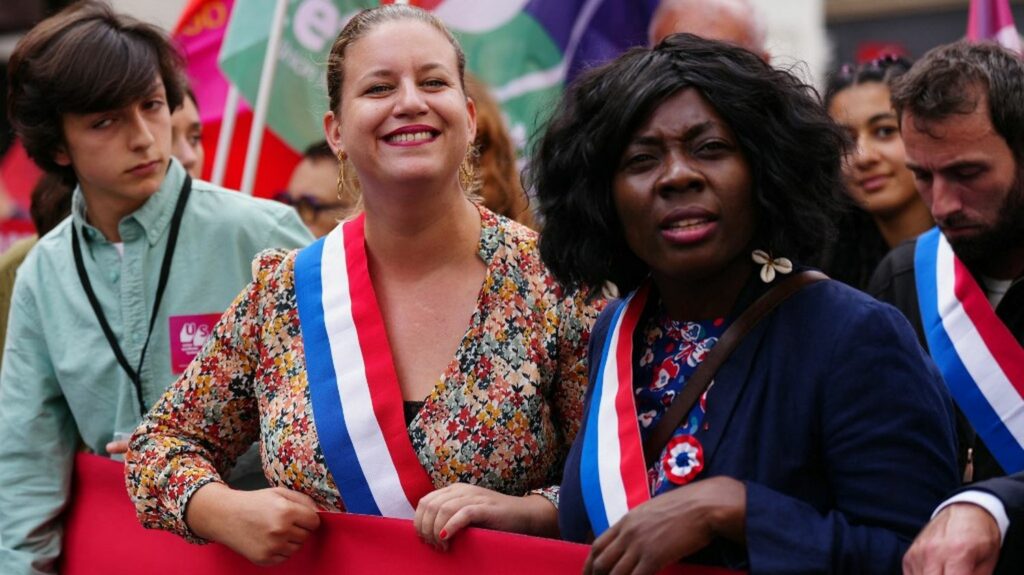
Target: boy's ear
(61, 156)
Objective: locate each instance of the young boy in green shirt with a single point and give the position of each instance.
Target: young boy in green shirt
(110, 306)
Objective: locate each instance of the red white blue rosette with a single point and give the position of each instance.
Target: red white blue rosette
(683, 459)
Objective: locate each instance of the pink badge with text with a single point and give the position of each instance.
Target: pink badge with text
(189, 334)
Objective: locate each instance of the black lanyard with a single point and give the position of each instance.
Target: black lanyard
(165, 270)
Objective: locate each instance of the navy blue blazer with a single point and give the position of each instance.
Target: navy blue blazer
(838, 424)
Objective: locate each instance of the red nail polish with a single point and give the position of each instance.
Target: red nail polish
(443, 535)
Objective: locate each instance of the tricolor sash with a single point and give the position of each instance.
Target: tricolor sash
(613, 475)
(357, 403)
(981, 361)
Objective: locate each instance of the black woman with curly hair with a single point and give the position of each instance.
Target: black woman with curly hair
(692, 176)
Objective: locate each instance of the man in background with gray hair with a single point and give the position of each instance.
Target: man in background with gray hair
(734, 21)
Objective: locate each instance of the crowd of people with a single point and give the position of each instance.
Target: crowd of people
(648, 360)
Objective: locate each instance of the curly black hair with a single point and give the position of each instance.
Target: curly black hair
(791, 144)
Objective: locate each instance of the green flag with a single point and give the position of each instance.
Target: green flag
(522, 49)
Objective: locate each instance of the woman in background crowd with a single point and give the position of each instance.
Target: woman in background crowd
(500, 188)
(419, 361)
(826, 437)
(887, 210)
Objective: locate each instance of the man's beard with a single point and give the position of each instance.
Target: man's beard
(1007, 234)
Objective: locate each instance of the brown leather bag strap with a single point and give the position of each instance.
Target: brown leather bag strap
(730, 340)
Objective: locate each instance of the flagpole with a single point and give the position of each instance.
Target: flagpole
(259, 118)
(227, 133)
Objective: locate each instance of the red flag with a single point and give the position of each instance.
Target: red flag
(19, 175)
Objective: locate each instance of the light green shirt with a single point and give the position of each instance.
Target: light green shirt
(61, 386)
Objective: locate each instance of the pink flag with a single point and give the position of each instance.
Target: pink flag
(992, 20)
(200, 33)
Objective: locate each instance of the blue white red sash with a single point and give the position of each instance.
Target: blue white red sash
(357, 403)
(981, 361)
(613, 475)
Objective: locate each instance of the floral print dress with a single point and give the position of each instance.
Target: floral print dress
(501, 416)
(671, 352)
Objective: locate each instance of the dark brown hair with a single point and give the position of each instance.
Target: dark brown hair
(84, 59)
(362, 24)
(952, 79)
(882, 70)
(319, 151)
(51, 203)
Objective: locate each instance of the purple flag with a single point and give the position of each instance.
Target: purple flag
(992, 20)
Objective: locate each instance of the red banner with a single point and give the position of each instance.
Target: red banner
(103, 536)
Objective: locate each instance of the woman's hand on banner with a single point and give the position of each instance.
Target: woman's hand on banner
(266, 526)
(443, 513)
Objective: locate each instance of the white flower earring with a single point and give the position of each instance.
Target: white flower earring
(770, 265)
